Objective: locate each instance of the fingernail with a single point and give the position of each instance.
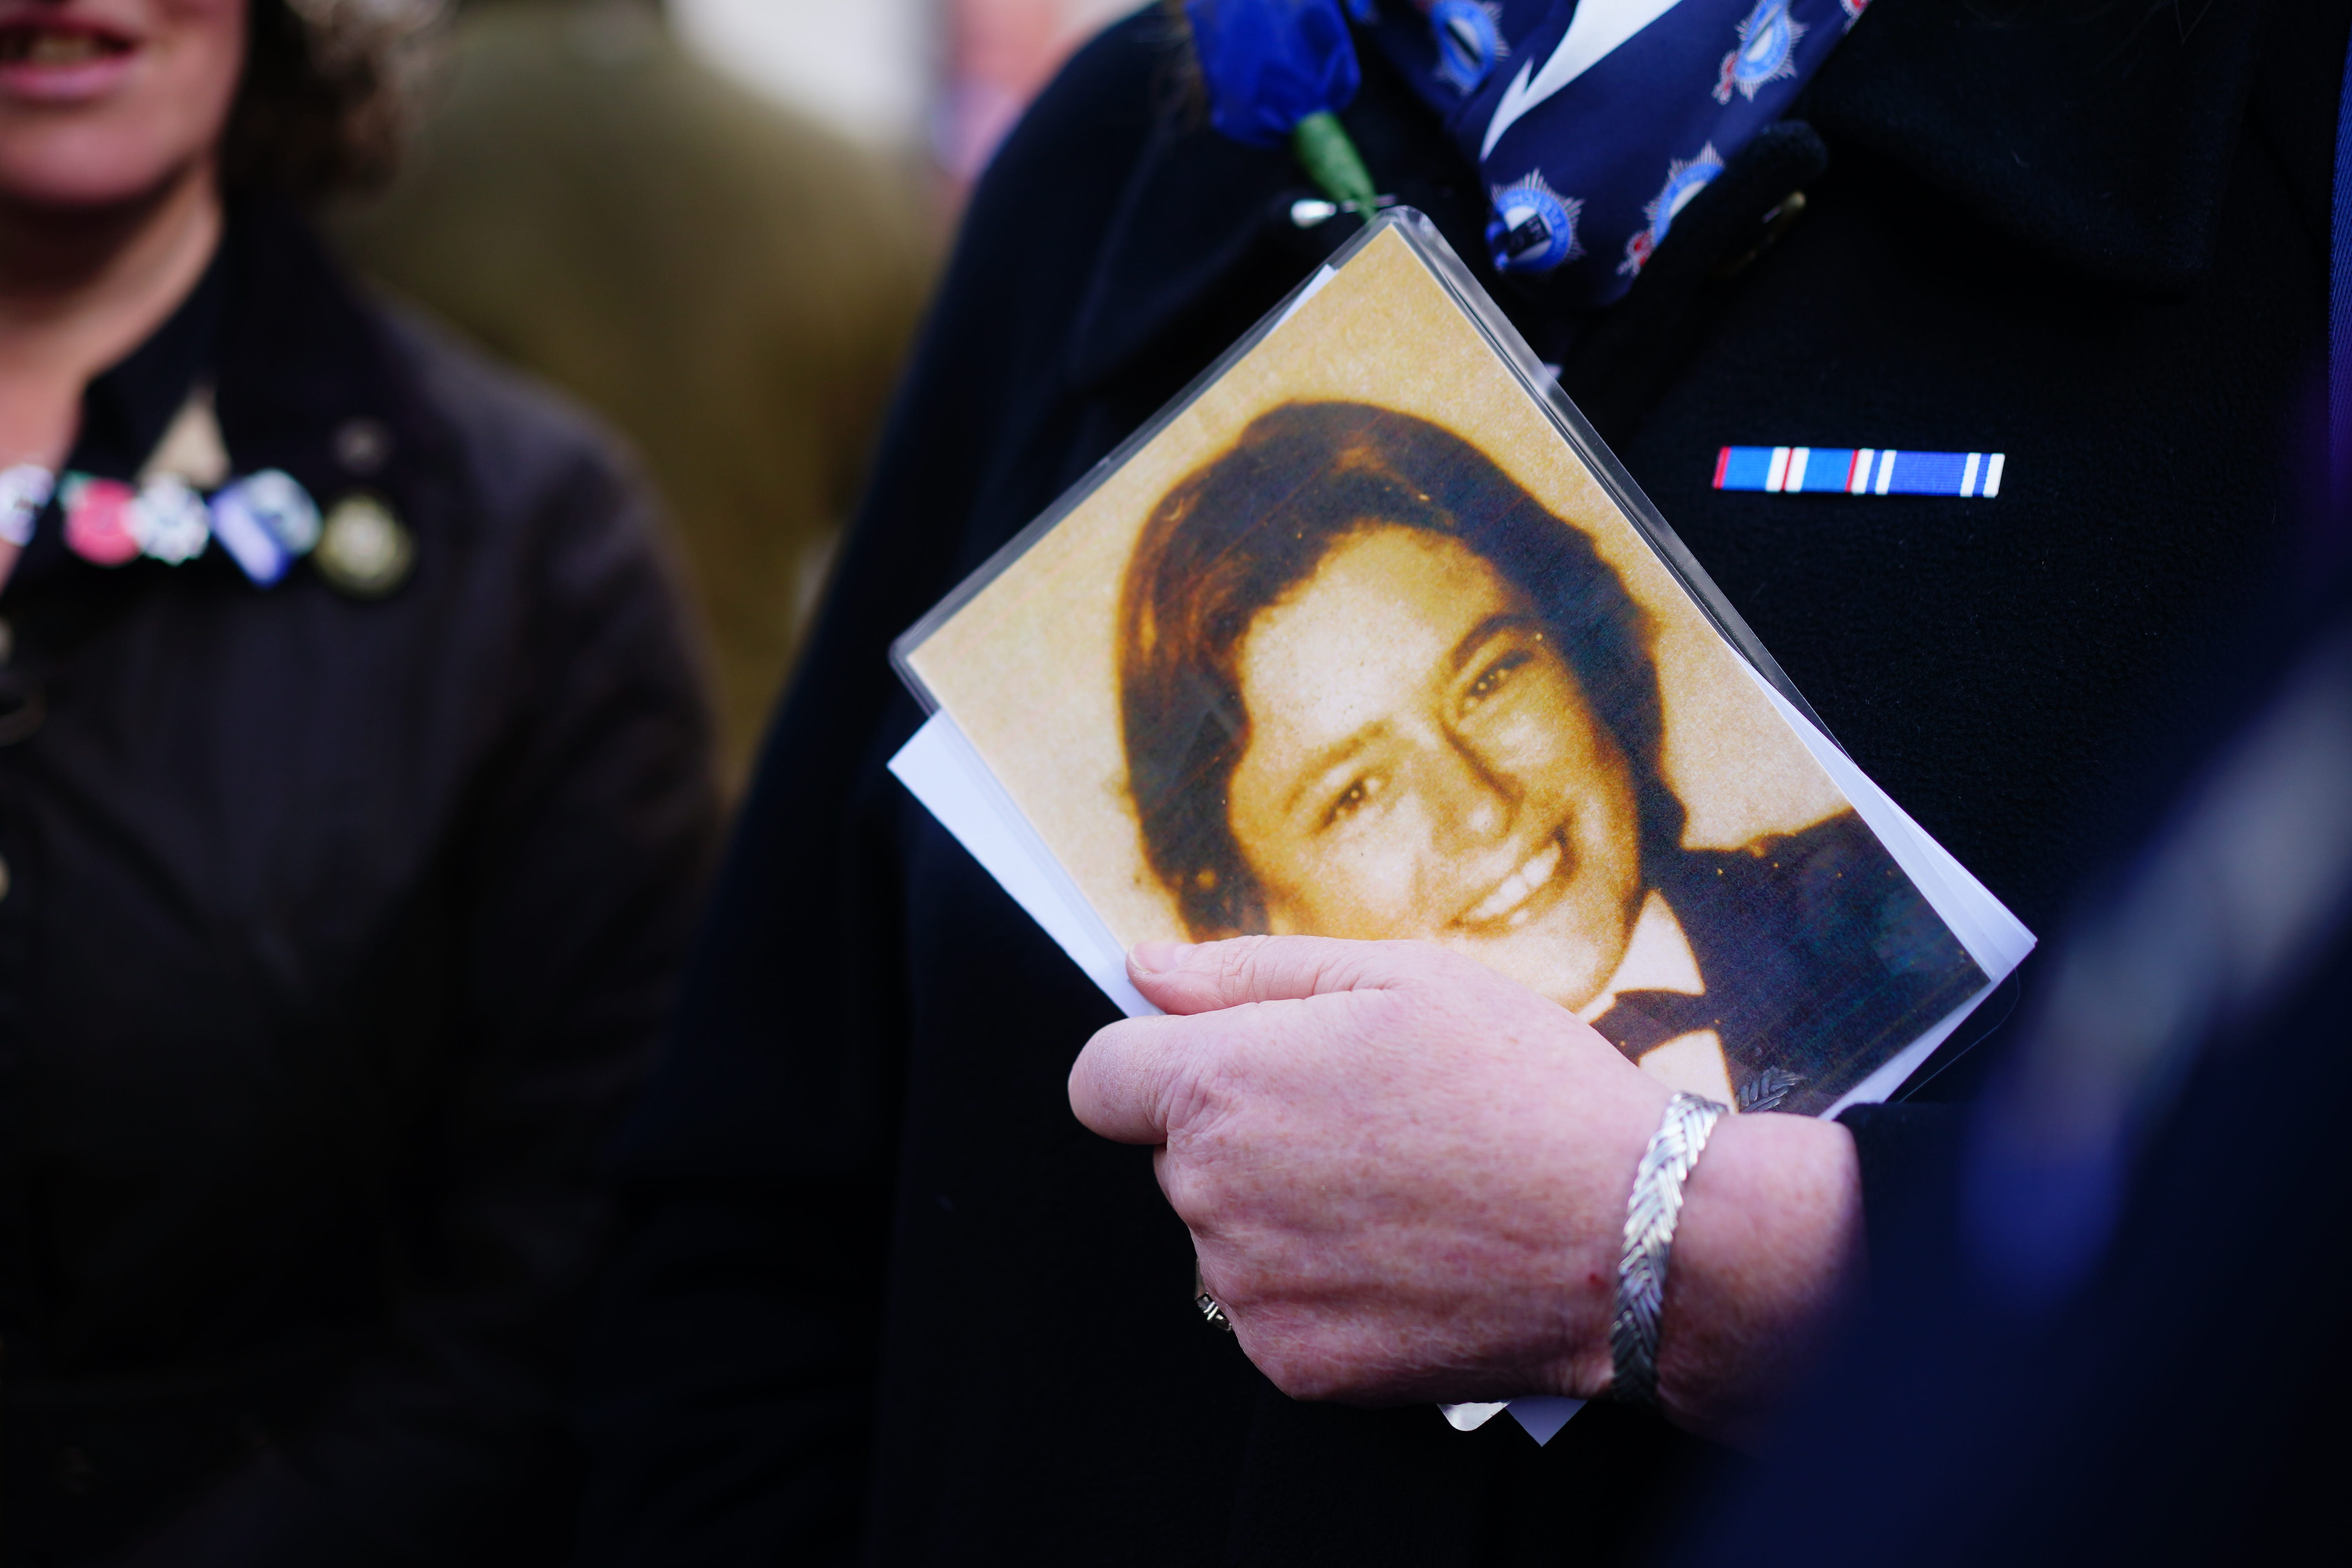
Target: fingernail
(1158, 957)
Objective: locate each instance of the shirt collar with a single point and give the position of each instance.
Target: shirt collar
(1658, 957)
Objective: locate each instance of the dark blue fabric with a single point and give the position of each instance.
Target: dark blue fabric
(1586, 179)
(1269, 64)
(2339, 346)
(1819, 958)
(2110, 1328)
(1804, 1002)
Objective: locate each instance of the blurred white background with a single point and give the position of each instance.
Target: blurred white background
(948, 74)
(865, 66)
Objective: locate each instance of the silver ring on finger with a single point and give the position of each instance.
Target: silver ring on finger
(1211, 1311)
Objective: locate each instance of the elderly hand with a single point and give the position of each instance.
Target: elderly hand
(1406, 1178)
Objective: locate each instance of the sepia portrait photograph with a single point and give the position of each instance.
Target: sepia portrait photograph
(1357, 645)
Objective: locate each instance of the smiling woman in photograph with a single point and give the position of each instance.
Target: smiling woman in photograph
(1372, 688)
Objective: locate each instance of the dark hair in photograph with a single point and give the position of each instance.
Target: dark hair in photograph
(1244, 531)
(327, 92)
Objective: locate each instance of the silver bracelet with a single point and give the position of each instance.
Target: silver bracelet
(1650, 1218)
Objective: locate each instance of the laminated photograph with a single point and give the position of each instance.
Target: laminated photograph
(1369, 636)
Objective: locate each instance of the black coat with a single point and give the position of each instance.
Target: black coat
(2146, 1178)
(881, 1290)
(335, 934)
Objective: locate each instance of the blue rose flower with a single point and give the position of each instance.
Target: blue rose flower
(1270, 63)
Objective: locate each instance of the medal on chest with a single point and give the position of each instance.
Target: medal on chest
(185, 500)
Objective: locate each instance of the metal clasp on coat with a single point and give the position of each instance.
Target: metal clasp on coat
(1770, 228)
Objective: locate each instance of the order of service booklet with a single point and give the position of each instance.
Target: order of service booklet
(1368, 635)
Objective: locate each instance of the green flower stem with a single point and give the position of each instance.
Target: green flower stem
(1333, 163)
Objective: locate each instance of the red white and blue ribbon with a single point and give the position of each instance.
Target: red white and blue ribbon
(1859, 471)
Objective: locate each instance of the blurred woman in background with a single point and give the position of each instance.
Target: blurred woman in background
(354, 789)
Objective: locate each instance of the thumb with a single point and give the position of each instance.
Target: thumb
(1202, 977)
(1125, 1081)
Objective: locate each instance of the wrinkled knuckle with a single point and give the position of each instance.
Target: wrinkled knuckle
(1356, 965)
(1233, 1280)
(1195, 1098)
(1198, 1191)
(1206, 1156)
(1237, 961)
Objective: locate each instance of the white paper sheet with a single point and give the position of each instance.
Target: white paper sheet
(948, 776)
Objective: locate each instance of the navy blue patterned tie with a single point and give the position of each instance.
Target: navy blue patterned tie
(1594, 122)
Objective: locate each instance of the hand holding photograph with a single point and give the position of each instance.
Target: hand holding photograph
(1369, 637)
